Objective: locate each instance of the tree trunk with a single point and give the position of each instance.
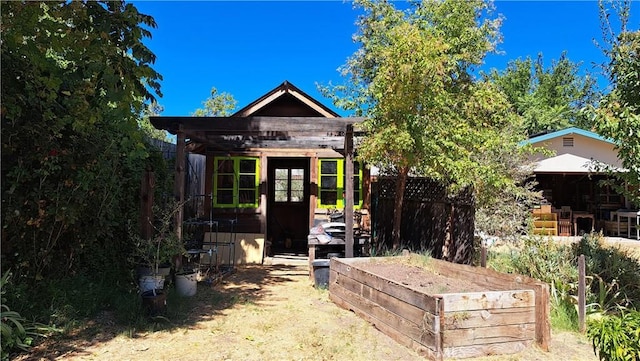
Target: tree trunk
(448, 245)
(397, 209)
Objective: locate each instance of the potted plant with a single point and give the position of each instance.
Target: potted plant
(154, 255)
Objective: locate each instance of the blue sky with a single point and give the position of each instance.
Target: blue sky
(247, 48)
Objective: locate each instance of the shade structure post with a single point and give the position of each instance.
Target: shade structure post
(178, 187)
(348, 191)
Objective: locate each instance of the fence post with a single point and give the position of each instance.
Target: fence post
(483, 255)
(581, 294)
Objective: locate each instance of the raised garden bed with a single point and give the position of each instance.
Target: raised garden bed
(441, 309)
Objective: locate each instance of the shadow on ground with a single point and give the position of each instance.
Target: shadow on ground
(246, 284)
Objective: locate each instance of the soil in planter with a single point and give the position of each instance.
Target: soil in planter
(415, 272)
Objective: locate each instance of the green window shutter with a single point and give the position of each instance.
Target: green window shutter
(248, 182)
(223, 182)
(331, 184)
(328, 183)
(236, 182)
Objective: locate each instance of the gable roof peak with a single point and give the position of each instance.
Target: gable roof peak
(286, 88)
(565, 132)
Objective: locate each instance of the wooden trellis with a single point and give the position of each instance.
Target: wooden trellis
(432, 219)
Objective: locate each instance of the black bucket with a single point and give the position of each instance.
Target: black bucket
(154, 302)
(321, 273)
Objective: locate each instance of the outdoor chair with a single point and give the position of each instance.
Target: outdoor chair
(565, 216)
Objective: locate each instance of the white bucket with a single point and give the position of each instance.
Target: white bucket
(187, 283)
(148, 283)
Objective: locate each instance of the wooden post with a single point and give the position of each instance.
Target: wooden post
(146, 204)
(312, 257)
(178, 186)
(581, 295)
(483, 255)
(348, 185)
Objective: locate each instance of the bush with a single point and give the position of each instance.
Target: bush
(16, 332)
(543, 259)
(614, 275)
(547, 261)
(616, 272)
(616, 337)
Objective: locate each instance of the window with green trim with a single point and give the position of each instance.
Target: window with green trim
(331, 183)
(236, 182)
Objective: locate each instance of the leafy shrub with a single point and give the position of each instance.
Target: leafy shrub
(616, 337)
(543, 259)
(615, 271)
(563, 315)
(163, 245)
(16, 332)
(546, 260)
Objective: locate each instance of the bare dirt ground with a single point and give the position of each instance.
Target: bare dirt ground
(266, 312)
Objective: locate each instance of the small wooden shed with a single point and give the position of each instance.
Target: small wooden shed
(273, 167)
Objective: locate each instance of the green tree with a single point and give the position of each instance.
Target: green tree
(618, 113)
(152, 109)
(548, 99)
(426, 115)
(75, 78)
(216, 105)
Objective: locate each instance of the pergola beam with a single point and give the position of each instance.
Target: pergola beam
(257, 126)
(237, 133)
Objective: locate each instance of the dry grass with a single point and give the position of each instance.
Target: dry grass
(263, 313)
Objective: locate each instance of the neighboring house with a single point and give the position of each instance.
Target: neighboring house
(571, 176)
(272, 168)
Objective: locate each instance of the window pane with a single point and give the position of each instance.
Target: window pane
(297, 174)
(297, 195)
(247, 166)
(224, 196)
(225, 181)
(247, 196)
(280, 196)
(329, 198)
(329, 182)
(356, 167)
(282, 173)
(329, 167)
(356, 198)
(281, 185)
(297, 185)
(247, 181)
(225, 166)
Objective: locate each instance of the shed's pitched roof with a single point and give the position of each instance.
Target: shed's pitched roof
(286, 95)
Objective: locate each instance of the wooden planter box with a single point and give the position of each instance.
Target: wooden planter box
(509, 313)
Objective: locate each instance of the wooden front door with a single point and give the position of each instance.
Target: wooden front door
(288, 204)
